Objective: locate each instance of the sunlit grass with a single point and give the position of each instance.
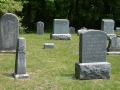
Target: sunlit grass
(53, 69)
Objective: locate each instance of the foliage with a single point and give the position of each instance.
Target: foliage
(10, 6)
(13, 6)
(80, 13)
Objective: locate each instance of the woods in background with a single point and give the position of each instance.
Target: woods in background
(80, 13)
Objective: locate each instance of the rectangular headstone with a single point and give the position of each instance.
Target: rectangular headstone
(61, 26)
(48, 45)
(9, 31)
(40, 28)
(92, 46)
(20, 63)
(107, 25)
(92, 56)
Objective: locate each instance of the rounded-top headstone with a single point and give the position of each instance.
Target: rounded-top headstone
(9, 31)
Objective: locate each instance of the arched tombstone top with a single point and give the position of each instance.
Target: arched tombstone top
(9, 31)
(10, 16)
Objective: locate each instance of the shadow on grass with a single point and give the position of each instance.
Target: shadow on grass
(10, 75)
(69, 75)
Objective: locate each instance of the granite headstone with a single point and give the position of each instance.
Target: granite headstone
(60, 30)
(107, 25)
(92, 46)
(92, 56)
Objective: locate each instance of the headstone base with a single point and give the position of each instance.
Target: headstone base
(113, 53)
(113, 49)
(110, 35)
(60, 36)
(98, 70)
(8, 51)
(48, 45)
(21, 76)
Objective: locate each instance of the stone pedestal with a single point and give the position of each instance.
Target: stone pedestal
(21, 76)
(60, 36)
(86, 71)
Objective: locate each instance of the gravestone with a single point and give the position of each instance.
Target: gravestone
(20, 62)
(107, 25)
(60, 30)
(48, 45)
(40, 28)
(113, 45)
(9, 31)
(72, 30)
(118, 29)
(82, 30)
(92, 56)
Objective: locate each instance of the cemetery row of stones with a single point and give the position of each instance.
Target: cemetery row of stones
(92, 46)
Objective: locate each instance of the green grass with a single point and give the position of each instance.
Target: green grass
(53, 69)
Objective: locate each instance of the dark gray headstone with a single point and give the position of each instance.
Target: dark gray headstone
(9, 31)
(92, 46)
(92, 56)
(40, 28)
(72, 30)
(61, 26)
(20, 62)
(107, 25)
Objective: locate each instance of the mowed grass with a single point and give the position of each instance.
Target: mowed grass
(53, 69)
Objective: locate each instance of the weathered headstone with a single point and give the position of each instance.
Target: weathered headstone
(114, 45)
(40, 28)
(9, 31)
(92, 56)
(60, 30)
(72, 30)
(107, 25)
(20, 62)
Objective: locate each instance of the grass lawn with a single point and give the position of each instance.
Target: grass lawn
(53, 69)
